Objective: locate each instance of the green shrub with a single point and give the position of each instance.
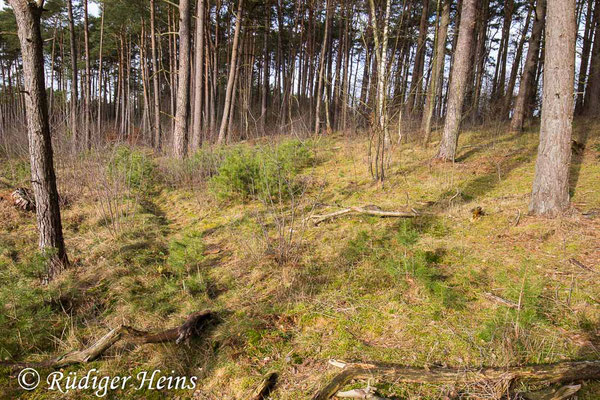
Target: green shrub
(262, 172)
(135, 167)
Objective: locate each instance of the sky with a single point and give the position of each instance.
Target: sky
(92, 7)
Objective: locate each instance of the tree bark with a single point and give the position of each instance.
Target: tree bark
(155, 83)
(416, 87)
(231, 78)
(591, 106)
(88, 75)
(74, 78)
(508, 98)
(544, 373)
(527, 84)
(180, 134)
(321, 71)
(100, 87)
(585, 57)
(458, 84)
(199, 67)
(438, 65)
(43, 178)
(550, 195)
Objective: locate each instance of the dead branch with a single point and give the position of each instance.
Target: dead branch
(266, 385)
(363, 210)
(562, 393)
(500, 300)
(581, 265)
(544, 373)
(367, 393)
(192, 327)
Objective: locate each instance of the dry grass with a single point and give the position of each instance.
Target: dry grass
(359, 288)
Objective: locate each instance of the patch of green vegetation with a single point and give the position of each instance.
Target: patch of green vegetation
(397, 255)
(185, 253)
(531, 310)
(17, 172)
(26, 303)
(134, 167)
(262, 172)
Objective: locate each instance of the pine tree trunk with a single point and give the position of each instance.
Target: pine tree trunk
(180, 134)
(438, 65)
(199, 67)
(508, 98)
(155, 83)
(74, 100)
(100, 87)
(265, 69)
(231, 78)
(38, 129)
(527, 85)
(550, 195)
(481, 58)
(87, 140)
(458, 84)
(585, 56)
(416, 87)
(591, 105)
(321, 72)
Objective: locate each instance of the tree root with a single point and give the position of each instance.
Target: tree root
(192, 327)
(368, 210)
(544, 373)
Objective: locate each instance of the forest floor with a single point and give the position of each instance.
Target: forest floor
(292, 295)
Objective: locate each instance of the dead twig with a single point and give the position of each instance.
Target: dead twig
(581, 265)
(363, 210)
(500, 300)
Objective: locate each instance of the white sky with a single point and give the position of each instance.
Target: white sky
(93, 7)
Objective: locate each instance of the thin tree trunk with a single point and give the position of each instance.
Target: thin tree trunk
(74, 101)
(155, 83)
(527, 85)
(481, 57)
(416, 86)
(585, 57)
(265, 77)
(231, 78)
(591, 106)
(180, 135)
(438, 65)
(100, 87)
(458, 84)
(508, 98)
(550, 194)
(199, 66)
(88, 74)
(321, 71)
(43, 178)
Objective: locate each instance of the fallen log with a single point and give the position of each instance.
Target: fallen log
(544, 373)
(23, 199)
(317, 219)
(192, 327)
